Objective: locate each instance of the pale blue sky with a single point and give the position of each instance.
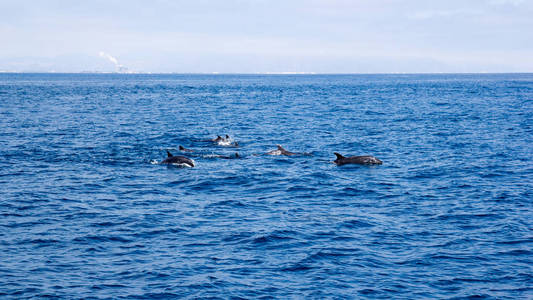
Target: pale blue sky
(238, 36)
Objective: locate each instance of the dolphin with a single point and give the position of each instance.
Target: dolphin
(359, 160)
(178, 160)
(220, 139)
(225, 141)
(181, 148)
(282, 151)
(234, 156)
(217, 139)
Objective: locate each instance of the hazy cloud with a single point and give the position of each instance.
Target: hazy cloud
(268, 36)
(430, 14)
(507, 2)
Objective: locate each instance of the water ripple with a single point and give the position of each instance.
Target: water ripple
(88, 213)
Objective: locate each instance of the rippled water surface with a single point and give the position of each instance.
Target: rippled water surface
(85, 211)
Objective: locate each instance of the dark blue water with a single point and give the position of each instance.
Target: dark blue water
(86, 213)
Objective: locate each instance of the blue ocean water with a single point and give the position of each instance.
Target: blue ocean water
(85, 212)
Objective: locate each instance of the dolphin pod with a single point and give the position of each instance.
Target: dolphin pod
(226, 141)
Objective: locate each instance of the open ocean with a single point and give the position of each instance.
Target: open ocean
(87, 213)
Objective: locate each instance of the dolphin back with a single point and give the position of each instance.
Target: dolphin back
(339, 156)
(178, 160)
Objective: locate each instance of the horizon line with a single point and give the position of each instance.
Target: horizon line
(257, 73)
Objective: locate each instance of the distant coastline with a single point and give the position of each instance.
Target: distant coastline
(259, 73)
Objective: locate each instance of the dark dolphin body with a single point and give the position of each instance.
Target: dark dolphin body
(359, 160)
(217, 139)
(282, 151)
(181, 148)
(171, 159)
(234, 156)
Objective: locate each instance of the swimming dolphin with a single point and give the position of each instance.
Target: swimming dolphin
(178, 160)
(359, 160)
(282, 151)
(217, 139)
(225, 141)
(236, 155)
(181, 148)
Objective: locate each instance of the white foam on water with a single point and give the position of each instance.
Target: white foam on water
(224, 143)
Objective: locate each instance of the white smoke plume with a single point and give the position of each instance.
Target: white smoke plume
(109, 57)
(119, 67)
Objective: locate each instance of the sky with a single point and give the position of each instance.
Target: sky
(267, 36)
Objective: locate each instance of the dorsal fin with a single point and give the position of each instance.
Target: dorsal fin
(236, 154)
(227, 137)
(280, 148)
(169, 154)
(339, 156)
(181, 147)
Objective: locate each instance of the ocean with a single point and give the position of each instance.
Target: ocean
(87, 212)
